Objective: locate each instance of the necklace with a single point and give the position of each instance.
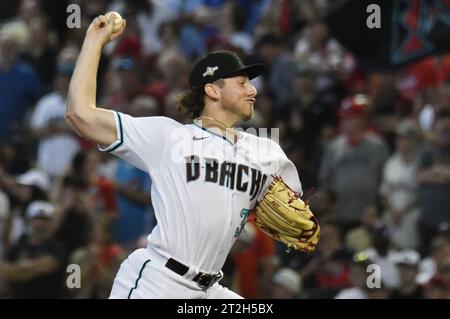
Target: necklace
(226, 129)
(212, 119)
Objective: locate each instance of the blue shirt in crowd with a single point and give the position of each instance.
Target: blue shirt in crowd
(134, 220)
(19, 90)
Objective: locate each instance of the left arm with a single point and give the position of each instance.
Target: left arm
(27, 269)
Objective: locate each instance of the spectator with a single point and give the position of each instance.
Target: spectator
(281, 66)
(352, 164)
(172, 67)
(48, 122)
(74, 221)
(168, 32)
(380, 253)
(286, 284)
(17, 152)
(149, 16)
(434, 180)
(357, 279)
(318, 51)
(408, 268)
(440, 102)
(327, 271)
(41, 52)
(128, 83)
(322, 204)
(400, 189)
(35, 265)
(19, 85)
(84, 165)
(439, 251)
(304, 98)
(360, 238)
(29, 9)
(236, 16)
(99, 262)
(304, 118)
(144, 105)
(30, 186)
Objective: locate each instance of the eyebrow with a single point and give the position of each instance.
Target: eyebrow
(243, 77)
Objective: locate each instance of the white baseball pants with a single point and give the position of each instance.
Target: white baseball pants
(143, 275)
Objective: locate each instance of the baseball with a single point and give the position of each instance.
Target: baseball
(117, 22)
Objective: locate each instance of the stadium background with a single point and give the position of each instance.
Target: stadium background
(373, 139)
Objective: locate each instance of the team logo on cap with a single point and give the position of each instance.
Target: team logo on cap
(210, 70)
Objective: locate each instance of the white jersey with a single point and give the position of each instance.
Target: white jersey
(203, 186)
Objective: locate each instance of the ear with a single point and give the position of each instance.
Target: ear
(212, 90)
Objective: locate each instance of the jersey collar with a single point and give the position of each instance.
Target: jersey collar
(216, 134)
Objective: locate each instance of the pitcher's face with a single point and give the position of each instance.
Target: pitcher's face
(239, 96)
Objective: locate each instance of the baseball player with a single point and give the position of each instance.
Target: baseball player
(206, 176)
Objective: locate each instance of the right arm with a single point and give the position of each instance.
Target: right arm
(436, 174)
(430, 172)
(14, 189)
(82, 115)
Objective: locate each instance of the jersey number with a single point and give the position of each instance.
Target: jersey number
(244, 215)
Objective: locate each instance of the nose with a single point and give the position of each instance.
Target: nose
(252, 91)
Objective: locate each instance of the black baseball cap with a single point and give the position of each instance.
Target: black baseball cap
(220, 65)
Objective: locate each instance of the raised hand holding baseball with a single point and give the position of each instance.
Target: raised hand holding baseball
(106, 28)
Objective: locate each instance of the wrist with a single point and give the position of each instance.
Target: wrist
(93, 43)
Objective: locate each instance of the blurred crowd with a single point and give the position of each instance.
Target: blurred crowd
(375, 145)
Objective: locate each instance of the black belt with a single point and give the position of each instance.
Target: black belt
(204, 280)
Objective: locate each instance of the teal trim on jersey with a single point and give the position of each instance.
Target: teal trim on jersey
(221, 136)
(120, 134)
(244, 215)
(138, 278)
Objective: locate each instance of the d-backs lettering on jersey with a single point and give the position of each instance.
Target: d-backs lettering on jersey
(232, 175)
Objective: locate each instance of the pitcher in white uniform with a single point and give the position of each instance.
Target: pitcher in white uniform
(206, 176)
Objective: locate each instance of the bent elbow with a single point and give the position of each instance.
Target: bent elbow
(71, 117)
(75, 120)
(70, 111)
